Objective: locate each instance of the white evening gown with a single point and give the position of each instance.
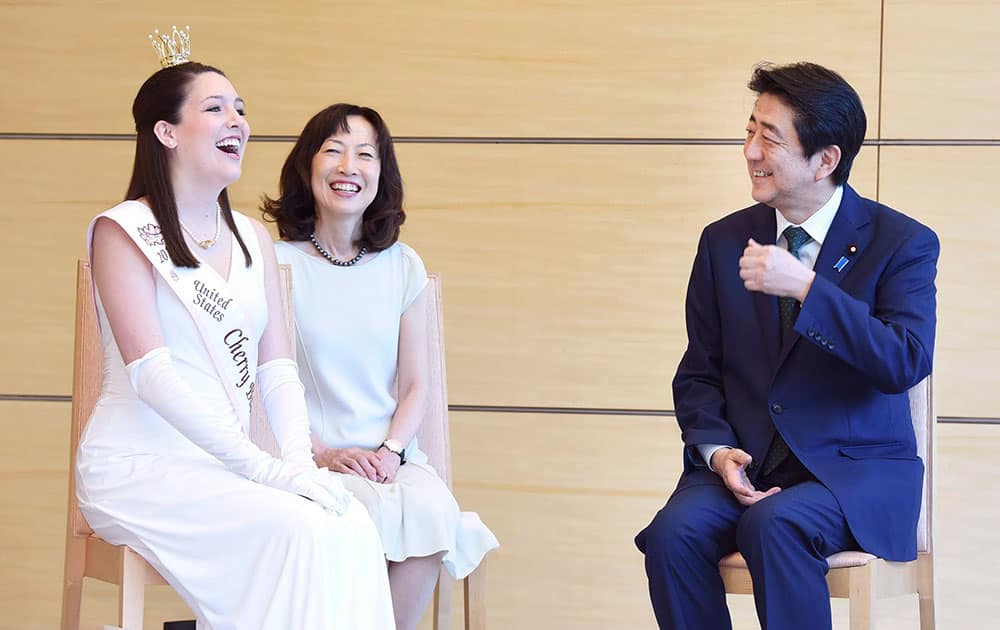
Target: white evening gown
(242, 555)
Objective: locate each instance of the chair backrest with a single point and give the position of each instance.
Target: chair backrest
(260, 428)
(433, 435)
(88, 364)
(923, 417)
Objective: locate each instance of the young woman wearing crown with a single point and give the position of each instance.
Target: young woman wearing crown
(190, 316)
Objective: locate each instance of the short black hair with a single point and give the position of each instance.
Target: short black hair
(827, 109)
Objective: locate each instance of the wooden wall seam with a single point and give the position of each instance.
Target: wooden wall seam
(578, 411)
(634, 141)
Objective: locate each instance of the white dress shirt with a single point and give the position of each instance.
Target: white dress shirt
(816, 226)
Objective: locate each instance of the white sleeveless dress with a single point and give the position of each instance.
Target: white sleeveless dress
(347, 334)
(242, 555)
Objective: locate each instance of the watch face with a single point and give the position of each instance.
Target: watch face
(394, 446)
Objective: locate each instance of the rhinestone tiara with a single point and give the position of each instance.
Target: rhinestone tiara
(172, 49)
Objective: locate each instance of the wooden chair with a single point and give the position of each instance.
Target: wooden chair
(434, 440)
(862, 577)
(87, 555)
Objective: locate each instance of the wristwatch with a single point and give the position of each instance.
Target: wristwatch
(396, 447)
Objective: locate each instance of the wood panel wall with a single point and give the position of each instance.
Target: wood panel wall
(560, 159)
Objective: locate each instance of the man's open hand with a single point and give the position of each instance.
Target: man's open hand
(731, 464)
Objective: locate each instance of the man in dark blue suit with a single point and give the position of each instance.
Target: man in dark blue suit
(809, 316)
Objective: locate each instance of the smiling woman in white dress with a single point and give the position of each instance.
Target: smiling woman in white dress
(361, 321)
(189, 305)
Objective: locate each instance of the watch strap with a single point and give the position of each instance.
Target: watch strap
(401, 452)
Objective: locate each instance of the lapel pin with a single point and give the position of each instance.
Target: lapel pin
(842, 262)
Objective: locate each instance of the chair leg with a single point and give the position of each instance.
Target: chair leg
(132, 591)
(442, 602)
(925, 591)
(71, 598)
(72, 595)
(475, 598)
(927, 621)
(862, 597)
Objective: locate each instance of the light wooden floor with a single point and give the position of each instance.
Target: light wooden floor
(565, 518)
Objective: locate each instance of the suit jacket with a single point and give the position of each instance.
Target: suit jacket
(837, 387)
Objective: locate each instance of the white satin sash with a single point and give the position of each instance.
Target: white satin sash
(223, 325)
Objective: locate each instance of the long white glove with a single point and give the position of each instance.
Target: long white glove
(285, 406)
(158, 384)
